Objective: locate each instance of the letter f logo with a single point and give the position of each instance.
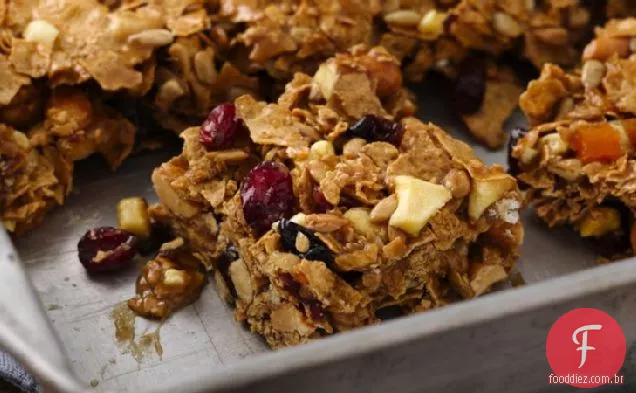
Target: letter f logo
(584, 347)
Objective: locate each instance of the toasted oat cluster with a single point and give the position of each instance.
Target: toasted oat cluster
(333, 208)
(578, 158)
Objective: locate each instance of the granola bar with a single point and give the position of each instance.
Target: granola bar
(333, 208)
(36, 160)
(577, 159)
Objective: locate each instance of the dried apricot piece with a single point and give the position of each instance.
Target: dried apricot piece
(597, 142)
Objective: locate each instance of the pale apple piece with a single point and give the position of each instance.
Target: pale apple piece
(418, 201)
(626, 144)
(486, 191)
(132, 216)
(321, 149)
(600, 221)
(361, 221)
(325, 78)
(554, 143)
(42, 32)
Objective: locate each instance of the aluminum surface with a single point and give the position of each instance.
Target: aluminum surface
(203, 347)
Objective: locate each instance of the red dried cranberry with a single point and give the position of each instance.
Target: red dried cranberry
(267, 195)
(373, 128)
(317, 251)
(106, 249)
(219, 130)
(316, 311)
(289, 284)
(513, 164)
(470, 85)
(320, 202)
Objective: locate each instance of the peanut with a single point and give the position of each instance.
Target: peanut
(603, 48)
(593, 73)
(457, 182)
(384, 209)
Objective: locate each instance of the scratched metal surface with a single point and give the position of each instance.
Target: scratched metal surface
(204, 336)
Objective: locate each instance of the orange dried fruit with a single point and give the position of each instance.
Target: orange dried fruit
(597, 142)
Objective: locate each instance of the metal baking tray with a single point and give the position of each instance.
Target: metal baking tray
(491, 344)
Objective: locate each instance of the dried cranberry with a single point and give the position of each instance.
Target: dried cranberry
(470, 85)
(373, 128)
(289, 284)
(316, 311)
(219, 130)
(513, 164)
(320, 202)
(106, 249)
(317, 251)
(267, 195)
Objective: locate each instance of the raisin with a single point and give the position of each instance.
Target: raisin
(469, 86)
(373, 128)
(220, 129)
(513, 164)
(106, 249)
(389, 312)
(229, 255)
(267, 195)
(317, 251)
(316, 311)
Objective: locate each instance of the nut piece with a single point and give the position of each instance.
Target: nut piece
(458, 182)
(241, 279)
(173, 277)
(42, 32)
(321, 149)
(325, 78)
(554, 143)
(603, 48)
(353, 146)
(486, 191)
(600, 221)
(405, 18)
(361, 221)
(151, 37)
(302, 243)
(132, 216)
(592, 74)
(432, 24)
(384, 209)
(418, 201)
(506, 25)
(204, 67)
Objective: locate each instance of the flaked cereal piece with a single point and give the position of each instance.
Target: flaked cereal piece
(32, 180)
(413, 222)
(168, 282)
